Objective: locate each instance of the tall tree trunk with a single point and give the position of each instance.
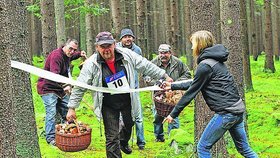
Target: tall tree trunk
(36, 35)
(203, 17)
(156, 27)
(259, 31)
(89, 30)
(269, 63)
(275, 29)
(26, 129)
(252, 33)
(60, 22)
(181, 31)
(82, 32)
(116, 16)
(141, 16)
(187, 34)
(161, 18)
(174, 26)
(231, 38)
(107, 18)
(7, 108)
(150, 37)
(95, 28)
(245, 47)
(29, 18)
(278, 24)
(48, 26)
(167, 21)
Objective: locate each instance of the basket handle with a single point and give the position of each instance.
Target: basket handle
(77, 125)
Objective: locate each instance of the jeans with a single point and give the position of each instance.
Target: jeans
(139, 127)
(158, 126)
(52, 105)
(217, 127)
(116, 135)
(140, 130)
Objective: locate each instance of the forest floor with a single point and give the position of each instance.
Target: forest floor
(263, 107)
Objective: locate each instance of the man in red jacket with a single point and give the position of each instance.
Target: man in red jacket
(56, 95)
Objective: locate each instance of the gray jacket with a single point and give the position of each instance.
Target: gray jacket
(176, 69)
(91, 74)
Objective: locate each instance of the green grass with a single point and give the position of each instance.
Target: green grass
(263, 121)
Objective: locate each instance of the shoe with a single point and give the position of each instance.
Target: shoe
(52, 143)
(159, 140)
(126, 149)
(141, 147)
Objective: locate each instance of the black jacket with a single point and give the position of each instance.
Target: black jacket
(216, 84)
(115, 101)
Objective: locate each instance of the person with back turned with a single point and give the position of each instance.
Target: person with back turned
(213, 79)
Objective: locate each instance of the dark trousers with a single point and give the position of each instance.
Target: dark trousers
(114, 135)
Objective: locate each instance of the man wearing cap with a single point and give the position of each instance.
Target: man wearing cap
(113, 68)
(127, 41)
(177, 70)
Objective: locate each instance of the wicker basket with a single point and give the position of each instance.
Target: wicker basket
(163, 109)
(73, 142)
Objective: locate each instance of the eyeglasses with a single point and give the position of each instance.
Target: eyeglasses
(71, 48)
(104, 46)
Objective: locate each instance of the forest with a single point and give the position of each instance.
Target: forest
(31, 29)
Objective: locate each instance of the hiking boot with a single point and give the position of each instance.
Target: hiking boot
(126, 149)
(159, 140)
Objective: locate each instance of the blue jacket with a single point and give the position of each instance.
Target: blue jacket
(137, 50)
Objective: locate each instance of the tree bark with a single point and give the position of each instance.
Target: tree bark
(116, 16)
(36, 35)
(26, 129)
(60, 22)
(167, 21)
(7, 108)
(275, 29)
(269, 63)
(89, 30)
(48, 26)
(174, 26)
(278, 24)
(252, 32)
(141, 20)
(245, 47)
(259, 31)
(187, 34)
(203, 17)
(150, 37)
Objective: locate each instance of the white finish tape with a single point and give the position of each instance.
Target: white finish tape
(58, 78)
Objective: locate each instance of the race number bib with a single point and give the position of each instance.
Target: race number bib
(117, 81)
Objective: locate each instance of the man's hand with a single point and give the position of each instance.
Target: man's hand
(67, 90)
(167, 78)
(166, 85)
(168, 119)
(71, 115)
(147, 79)
(83, 54)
